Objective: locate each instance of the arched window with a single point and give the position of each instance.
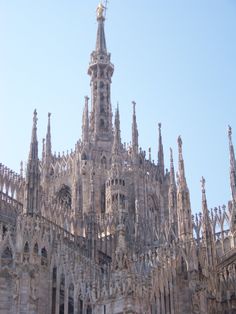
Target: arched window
(44, 252)
(4, 231)
(7, 258)
(84, 156)
(26, 247)
(64, 196)
(103, 199)
(7, 253)
(44, 256)
(104, 162)
(36, 248)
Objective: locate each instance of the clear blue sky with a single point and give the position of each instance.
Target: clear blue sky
(177, 59)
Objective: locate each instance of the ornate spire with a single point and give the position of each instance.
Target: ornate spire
(34, 142)
(85, 122)
(43, 151)
(172, 170)
(204, 200)
(117, 139)
(101, 70)
(161, 154)
(48, 139)
(134, 131)
(183, 200)
(116, 147)
(182, 178)
(101, 40)
(207, 228)
(33, 173)
(232, 166)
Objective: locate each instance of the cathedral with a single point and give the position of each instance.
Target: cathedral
(106, 230)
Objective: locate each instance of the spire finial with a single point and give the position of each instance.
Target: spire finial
(204, 200)
(33, 173)
(230, 134)
(182, 178)
(171, 156)
(100, 11)
(86, 99)
(134, 106)
(180, 144)
(34, 142)
(35, 119)
(203, 184)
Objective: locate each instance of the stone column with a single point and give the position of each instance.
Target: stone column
(76, 298)
(158, 302)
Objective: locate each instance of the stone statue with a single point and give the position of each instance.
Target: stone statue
(100, 10)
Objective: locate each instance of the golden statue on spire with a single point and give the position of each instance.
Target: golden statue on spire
(100, 10)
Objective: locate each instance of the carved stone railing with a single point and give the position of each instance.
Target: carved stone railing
(9, 208)
(11, 183)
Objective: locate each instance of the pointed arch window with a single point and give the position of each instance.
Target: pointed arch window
(7, 253)
(44, 256)
(26, 247)
(7, 258)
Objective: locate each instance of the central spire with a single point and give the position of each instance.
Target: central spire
(101, 40)
(101, 70)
